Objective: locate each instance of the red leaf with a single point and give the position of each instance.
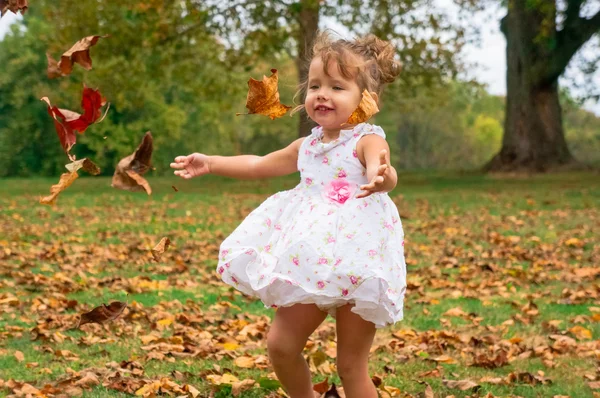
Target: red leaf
(79, 53)
(66, 122)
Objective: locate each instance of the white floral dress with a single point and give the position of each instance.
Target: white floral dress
(318, 244)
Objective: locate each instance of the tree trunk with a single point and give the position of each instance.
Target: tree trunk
(308, 22)
(534, 138)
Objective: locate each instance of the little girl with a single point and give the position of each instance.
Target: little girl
(334, 243)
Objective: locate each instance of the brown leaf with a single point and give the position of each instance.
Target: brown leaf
(103, 313)
(85, 164)
(462, 385)
(66, 179)
(174, 188)
(491, 361)
(160, 248)
(263, 97)
(244, 361)
(79, 53)
(13, 5)
(129, 171)
(322, 387)
(239, 387)
(428, 390)
(366, 109)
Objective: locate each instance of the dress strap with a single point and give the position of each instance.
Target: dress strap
(369, 129)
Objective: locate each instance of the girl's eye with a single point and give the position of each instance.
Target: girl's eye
(314, 87)
(337, 88)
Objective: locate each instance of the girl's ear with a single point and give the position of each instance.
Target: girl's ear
(375, 96)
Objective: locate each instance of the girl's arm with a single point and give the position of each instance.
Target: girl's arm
(370, 153)
(278, 163)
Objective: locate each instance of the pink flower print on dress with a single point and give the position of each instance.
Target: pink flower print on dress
(344, 292)
(306, 152)
(309, 181)
(249, 252)
(221, 270)
(268, 222)
(339, 191)
(323, 260)
(331, 239)
(354, 153)
(296, 260)
(321, 285)
(224, 253)
(278, 227)
(234, 279)
(350, 236)
(313, 142)
(353, 279)
(337, 262)
(341, 173)
(325, 160)
(268, 248)
(402, 243)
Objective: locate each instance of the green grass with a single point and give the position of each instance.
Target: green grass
(485, 244)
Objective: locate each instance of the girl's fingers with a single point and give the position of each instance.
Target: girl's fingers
(180, 159)
(177, 165)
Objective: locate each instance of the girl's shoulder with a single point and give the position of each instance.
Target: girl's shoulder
(363, 129)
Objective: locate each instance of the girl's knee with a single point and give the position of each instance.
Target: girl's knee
(351, 367)
(280, 346)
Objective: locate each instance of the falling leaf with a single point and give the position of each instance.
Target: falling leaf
(366, 109)
(66, 179)
(66, 122)
(160, 248)
(103, 313)
(130, 169)
(79, 53)
(13, 5)
(174, 188)
(85, 164)
(263, 97)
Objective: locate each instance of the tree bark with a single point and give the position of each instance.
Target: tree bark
(308, 22)
(534, 138)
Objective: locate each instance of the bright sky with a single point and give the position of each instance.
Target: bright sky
(490, 55)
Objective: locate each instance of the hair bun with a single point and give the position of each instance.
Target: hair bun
(383, 53)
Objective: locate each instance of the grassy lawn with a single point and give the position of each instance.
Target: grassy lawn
(503, 290)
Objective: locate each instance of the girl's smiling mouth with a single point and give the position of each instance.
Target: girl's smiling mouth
(323, 108)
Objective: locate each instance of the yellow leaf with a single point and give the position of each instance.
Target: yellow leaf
(230, 346)
(244, 362)
(580, 332)
(263, 97)
(66, 179)
(365, 110)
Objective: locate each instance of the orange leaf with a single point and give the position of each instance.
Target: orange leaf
(85, 164)
(322, 387)
(129, 171)
(103, 313)
(79, 53)
(66, 179)
(366, 109)
(12, 5)
(263, 97)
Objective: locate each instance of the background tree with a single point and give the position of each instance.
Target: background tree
(542, 38)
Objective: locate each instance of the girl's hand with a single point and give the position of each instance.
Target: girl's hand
(194, 165)
(377, 184)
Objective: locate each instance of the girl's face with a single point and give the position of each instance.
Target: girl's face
(330, 100)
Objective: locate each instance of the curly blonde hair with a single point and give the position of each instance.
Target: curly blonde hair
(368, 59)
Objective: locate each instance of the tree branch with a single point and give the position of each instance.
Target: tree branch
(569, 40)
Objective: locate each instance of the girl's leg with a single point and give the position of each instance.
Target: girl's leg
(354, 339)
(285, 341)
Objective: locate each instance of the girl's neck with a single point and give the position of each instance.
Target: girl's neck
(330, 135)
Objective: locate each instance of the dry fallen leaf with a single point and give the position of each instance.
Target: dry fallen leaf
(19, 356)
(130, 169)
(66, 179)
(79, 53)
(263, 97)
(12, 5)
(103, 313)
(160, 248)
(366, 109)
